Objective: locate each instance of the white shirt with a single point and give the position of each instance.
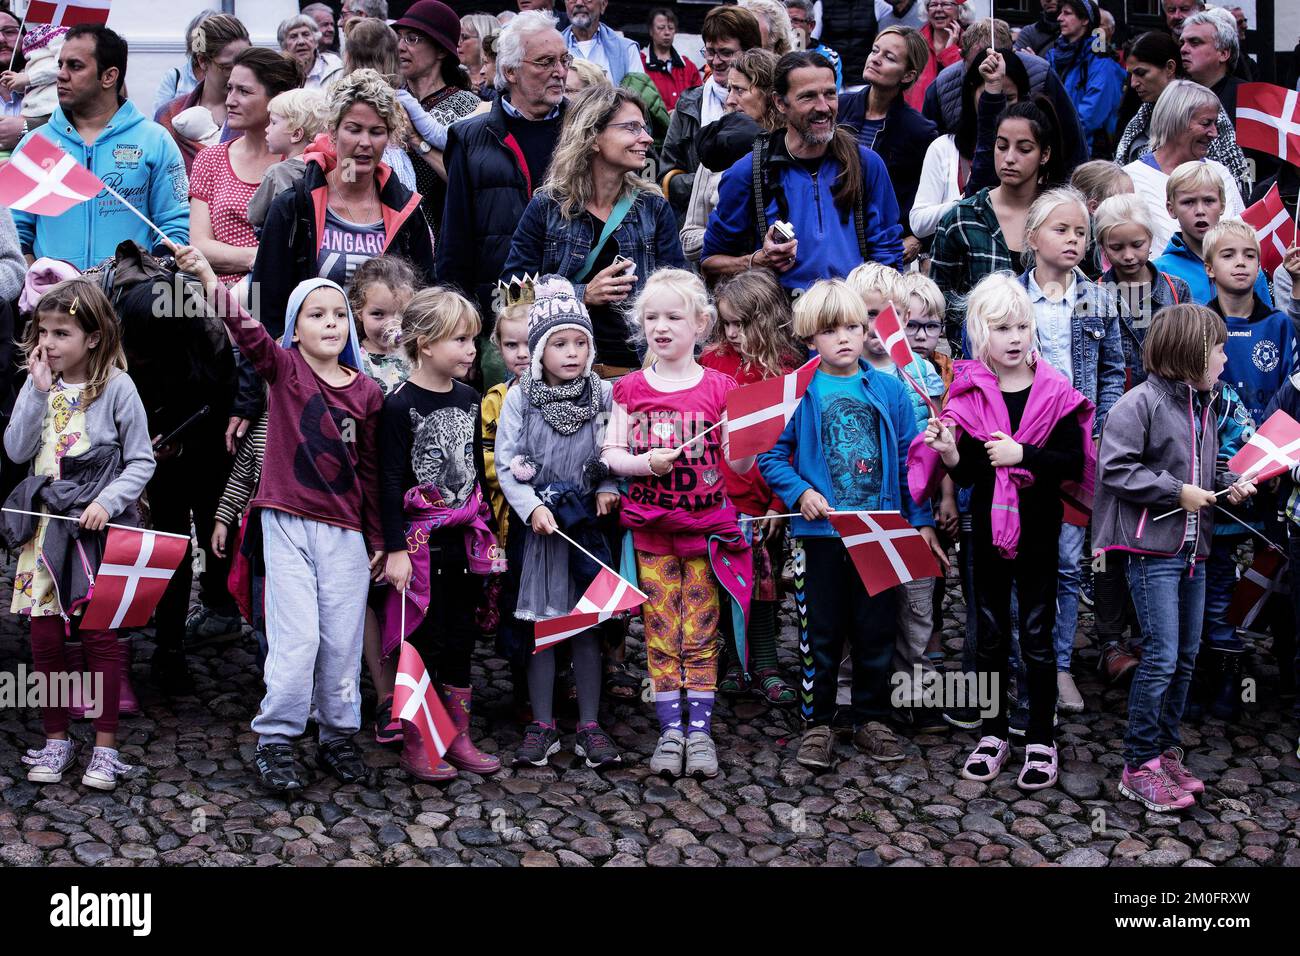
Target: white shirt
(1054, 321)
(712, 103)
(937, 191)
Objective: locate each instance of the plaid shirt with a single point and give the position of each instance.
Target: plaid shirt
(968, 245)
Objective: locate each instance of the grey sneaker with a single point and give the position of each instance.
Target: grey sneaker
(667, 758)
(49, 763)
(701, 755)
(878, 742)
(815, 748)
(104, 769)
(204, 626)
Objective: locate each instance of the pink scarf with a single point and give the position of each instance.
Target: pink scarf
(975, 406)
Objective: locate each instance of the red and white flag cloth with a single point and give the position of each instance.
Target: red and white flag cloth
(1261, 581)
(134, 572)
(607, 595)
(44, 180)
(758, 413)
(886, 550)
(68, 13)
(1268, 119)
(1275, 227)
(1273, 449)
(416, 702)
(892, 331)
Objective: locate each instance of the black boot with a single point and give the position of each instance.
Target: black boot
(1227, 698)
(170, 673)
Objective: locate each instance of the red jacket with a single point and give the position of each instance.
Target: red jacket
(673, 77)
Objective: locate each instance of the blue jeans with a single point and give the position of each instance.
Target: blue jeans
(1170, 603)
(1293, 548)
(1069, 578)
(1220, 583)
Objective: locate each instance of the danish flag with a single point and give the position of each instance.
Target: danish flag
(758, 413)
(416, 702)
(68, 13)
(44, 180)
(886, 550)
(1268, 119)
(605, 596)
(132, 577)
(1273, 449)
(1260, 582)
(1275, 227)
(889, 328)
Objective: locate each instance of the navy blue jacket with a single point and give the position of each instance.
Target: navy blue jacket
(905, 135)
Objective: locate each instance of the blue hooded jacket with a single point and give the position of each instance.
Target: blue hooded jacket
(351, 354)
(1261, 353)
(135, 156)
(1182, 263)
(797, 462)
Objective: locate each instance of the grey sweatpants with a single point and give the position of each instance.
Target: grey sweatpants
(317, 577)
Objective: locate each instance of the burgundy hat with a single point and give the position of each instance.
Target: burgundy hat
(435, 20)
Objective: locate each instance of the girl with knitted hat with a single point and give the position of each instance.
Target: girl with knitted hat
(548, 463)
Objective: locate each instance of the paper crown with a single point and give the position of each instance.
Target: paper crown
(518, 290)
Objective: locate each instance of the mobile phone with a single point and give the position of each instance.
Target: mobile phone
(631, 263)
(783, 231)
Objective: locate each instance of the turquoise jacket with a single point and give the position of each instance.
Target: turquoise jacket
(135, 156)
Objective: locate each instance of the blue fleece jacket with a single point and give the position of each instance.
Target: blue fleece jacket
(1261, 355)
(828, 240)
(798, 460)
(139, 159)
(1181, 262)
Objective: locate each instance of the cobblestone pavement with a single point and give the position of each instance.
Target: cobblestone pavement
(195, 802)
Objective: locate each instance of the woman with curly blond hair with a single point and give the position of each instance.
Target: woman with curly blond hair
(597, 221)
(348, 207)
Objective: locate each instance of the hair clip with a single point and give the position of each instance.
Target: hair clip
(519, 290)
(72, 309)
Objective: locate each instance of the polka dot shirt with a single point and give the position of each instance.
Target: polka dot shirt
(213, 180)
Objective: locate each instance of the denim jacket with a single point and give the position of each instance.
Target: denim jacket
(1096, 354)
(1165, 290)
(546, 243)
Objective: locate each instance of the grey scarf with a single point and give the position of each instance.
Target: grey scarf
(567, 407)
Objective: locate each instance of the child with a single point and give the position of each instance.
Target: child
(879, 285)
(232, 511)
(1014, 430)
(1146, 450)
(1196, 199)
(380, 289)
(78, 418)
(685, 538)
(297, 118)
(435, 517)
(1077, 325)
(41, 46)
(548, 438)
(1098, 180)
(317, 506)
(925, 309)
(845, 449)
(752, 342)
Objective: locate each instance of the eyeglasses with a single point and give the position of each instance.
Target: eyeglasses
(929, 328)
(632, 127)
(547, 63)
(9, 31)
(712, 53)
(411, 38)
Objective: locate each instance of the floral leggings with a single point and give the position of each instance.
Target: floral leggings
(681, 621)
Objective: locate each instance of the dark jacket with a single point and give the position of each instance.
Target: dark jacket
(291, 237)
(905, 135)
(849, 27)
(727, 140)
(1166, 290)
(679, 149)
(488, 190)
(1038, 36)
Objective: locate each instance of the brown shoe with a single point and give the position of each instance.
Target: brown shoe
(878, 742)
(815, 748)
(1116, 664)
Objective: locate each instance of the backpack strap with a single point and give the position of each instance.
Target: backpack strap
(860, 222)
(1173, 292)
(760, 187)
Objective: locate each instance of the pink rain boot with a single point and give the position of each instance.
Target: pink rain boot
(127, 703)
(462, 753)
(75, 656)
(417, 761)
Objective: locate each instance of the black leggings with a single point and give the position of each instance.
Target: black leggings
(446, 636)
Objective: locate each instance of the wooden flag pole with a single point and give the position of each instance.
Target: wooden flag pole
(685, 445)
(143, 218)
(13, 54)
(590, 555)
(123, 527)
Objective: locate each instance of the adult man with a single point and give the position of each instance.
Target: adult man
(1177, 12)
(671, 72)
(850, 27)
(98, 127)
(728, 31)
(495, 161)
(1042, 33)
(1209, 50)
(835, 193)
(354, 10)
(546, 6)
(900, 13)
(324, 18)
(12, 124)
(589, 39)
(803, 21)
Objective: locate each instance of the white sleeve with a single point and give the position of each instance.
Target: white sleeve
(633, 58)
(932, 199)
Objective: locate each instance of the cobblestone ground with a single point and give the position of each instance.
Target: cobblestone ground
(194, 801)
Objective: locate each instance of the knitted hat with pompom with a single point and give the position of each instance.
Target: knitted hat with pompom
(556, 307)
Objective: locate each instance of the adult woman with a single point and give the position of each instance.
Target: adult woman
(1094, 82)
(941, 32)
(1153, 63)
(949, 164)
(225, 176)
(179, 80)
(348, 206)
(975, 237)
(1184, 124)
(216, 42)
(474, 29)
(884, 122)
(750, 111)
(372, 45)
(299, 36)
(582, 74)
(594, 207)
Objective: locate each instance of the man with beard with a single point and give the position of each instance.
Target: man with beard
(835, 194)
(589, 39)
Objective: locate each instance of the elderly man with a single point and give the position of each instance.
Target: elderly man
(354, 10)
(496, 160)
(589, 39)
(1211, 55)
(1177, 12)
(324, 18)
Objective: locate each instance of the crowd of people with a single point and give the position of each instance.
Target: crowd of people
(447, 315)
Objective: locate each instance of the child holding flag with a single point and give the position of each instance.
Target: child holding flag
(78, 418)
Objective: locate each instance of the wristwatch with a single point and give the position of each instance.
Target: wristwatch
(423, 148)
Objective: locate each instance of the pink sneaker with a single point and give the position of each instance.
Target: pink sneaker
(1172, 762)
(986, 760)
(1152, 786)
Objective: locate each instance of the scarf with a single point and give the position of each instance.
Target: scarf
(975, 406)
(1067, 55)
(566, 407)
